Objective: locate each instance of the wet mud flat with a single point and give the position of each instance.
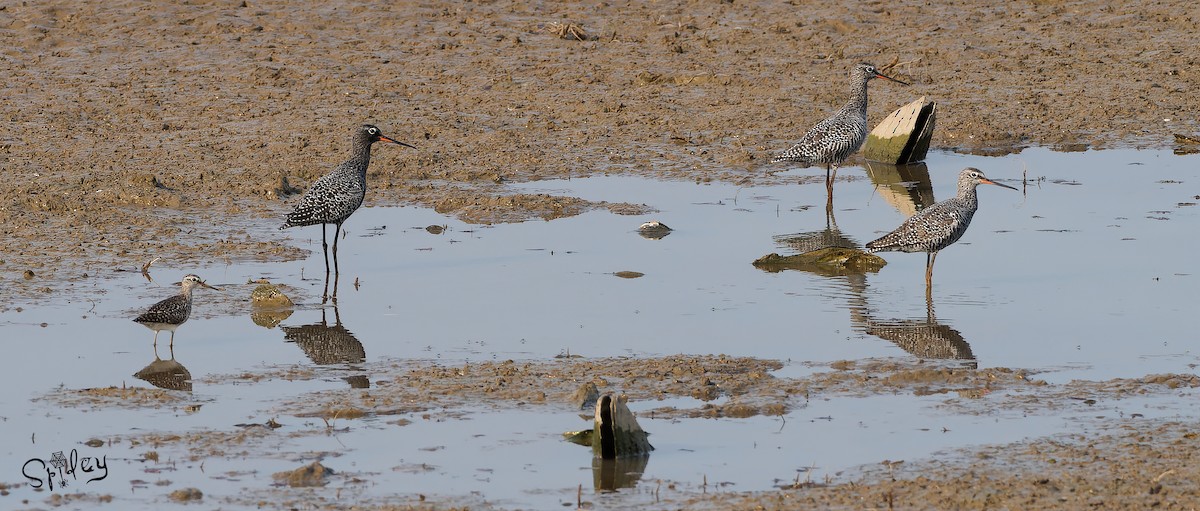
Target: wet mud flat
(1113, 458)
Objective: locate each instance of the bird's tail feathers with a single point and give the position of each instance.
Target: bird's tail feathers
(785, 157)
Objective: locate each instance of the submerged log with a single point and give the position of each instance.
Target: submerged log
(826, 261)
(903, 137)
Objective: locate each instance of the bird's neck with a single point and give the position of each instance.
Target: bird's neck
(858, 97)
(966, 192)
(360, 158)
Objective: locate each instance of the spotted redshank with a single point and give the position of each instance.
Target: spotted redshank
(939, 225)
(336, 195)
(837, 137)
(174, 311)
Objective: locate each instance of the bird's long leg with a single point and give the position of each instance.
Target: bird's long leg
(337, 273)
(172, 339)
(929, 303)
(325, 249)
(156, 339)
(930, 257)
(830, 174)
(828, 195)
(337, 233)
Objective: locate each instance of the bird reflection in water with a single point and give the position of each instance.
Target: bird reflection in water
(810, 241)
(908, 188)
(924, 338)
(329, 345)
(166, 374)
(905, 187)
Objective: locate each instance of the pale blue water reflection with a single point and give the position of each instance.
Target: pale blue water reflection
(1087, 274)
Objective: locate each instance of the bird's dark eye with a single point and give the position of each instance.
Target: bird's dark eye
(372, 131)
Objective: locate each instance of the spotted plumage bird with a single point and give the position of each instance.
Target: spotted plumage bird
(837, 137)
(338, 194)
(939, 225)
(174, 311)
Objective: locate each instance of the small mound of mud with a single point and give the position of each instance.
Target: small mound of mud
(416, 386)
(186, 495)
(113, 397)
(308, 476)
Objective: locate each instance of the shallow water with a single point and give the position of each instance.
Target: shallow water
(1086, 273)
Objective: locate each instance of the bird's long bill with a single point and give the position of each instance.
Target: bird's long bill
(990, 182)
(210, 287)
(394, 141)
(881, 75)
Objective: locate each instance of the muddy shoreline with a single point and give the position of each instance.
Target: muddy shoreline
(140, 133)
(172, 132)
(1108, 460)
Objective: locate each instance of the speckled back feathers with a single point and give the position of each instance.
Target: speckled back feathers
(838, 136)
(338, 194)
(939, 225)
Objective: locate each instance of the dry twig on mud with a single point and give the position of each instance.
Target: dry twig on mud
(146, 268)
(569, 31)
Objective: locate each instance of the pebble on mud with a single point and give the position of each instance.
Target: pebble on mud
(146, 181)
(284, 188)
(585, 396)
(654, 230)
(308, 476)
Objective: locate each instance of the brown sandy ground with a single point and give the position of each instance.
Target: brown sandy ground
(1112, 461)
(135, 130)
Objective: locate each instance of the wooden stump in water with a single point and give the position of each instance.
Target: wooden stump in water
(619, 433)
(616, 434)
(903, 137)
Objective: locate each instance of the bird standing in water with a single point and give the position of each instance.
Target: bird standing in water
(837, 137)
(336, 195)
(174, 311)
(937, 226)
